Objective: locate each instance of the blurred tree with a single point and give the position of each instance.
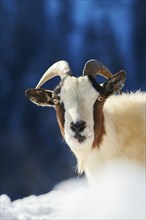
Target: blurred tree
(139, 42)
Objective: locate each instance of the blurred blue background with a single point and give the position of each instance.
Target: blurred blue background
(34, 35)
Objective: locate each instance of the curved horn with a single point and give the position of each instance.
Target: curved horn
(61, 68)
(94, 67)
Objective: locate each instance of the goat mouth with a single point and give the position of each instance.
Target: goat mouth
(79, 137)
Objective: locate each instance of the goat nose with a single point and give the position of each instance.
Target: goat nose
(79, 126)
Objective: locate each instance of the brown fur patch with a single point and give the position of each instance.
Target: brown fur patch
(99, 129)
(60, 117)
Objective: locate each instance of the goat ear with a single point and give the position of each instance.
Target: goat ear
(40, 97)
(115, 83)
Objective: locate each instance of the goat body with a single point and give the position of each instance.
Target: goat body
(125, 133)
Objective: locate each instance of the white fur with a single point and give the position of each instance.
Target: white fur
(78, 97)
(124, 125)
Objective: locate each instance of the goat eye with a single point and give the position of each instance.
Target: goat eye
(56, 101)
(101, 98)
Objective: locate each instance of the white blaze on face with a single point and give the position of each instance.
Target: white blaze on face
(78, 96)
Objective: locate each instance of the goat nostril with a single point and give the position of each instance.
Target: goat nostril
(72, 127)
(81, 128)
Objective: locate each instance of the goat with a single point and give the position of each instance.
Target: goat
(97, 124)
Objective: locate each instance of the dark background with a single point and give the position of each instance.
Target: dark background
(34, 34)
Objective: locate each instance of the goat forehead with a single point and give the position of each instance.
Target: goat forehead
(78, 91)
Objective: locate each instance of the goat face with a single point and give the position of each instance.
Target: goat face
(78, 97)
(78, 102)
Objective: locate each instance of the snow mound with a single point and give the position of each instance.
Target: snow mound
(119, 193)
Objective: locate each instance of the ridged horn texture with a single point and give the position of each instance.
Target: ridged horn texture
(94, 67)
(60, 68)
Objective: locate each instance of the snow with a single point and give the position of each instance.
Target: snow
(119, 193)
